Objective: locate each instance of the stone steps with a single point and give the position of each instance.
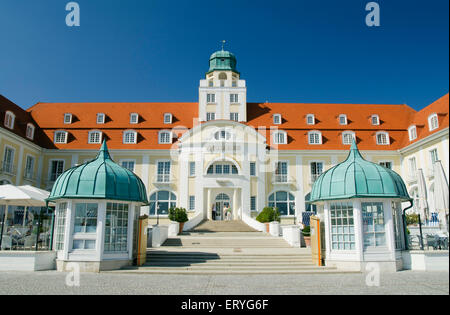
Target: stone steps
(223, 226)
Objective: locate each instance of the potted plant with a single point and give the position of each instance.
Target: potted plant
(178, 215)
(307, 235)
(268, 215)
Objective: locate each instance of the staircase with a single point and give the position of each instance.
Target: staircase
(223, 226)
(228, 253)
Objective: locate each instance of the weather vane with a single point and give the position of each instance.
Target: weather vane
(223, 43)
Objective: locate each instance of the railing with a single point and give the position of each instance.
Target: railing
(163, 179)
(282, 179)
(8, 168)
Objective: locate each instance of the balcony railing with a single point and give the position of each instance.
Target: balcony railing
(282, 179)
(8, 168)
(163, 179)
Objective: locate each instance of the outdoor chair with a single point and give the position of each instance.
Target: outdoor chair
(433, 241)
(29, 242)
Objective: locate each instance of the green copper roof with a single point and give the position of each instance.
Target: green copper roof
(222, 60)
(100, 178)
(358, 178)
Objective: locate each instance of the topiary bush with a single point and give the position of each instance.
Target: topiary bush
(268, 214)
(306, 231)
(178, 215)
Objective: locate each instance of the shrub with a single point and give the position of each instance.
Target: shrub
(268, 214)
(412, 219)
(306, 231)
(178, 215)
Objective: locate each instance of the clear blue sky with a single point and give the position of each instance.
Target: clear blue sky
(287, 50)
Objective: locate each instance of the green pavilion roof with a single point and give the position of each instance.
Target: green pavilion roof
(358, 178)
(222, 60)
(100, 178)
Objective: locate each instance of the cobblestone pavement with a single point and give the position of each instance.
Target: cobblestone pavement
(52, 282)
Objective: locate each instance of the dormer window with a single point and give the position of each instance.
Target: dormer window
(100, 118)
(343, 119)
(277, 119)
(67, 118)
(433, 122)
(60, 136)
(375, 120)
(95, 137)
(412, 132)
(30, 131)
(165, 137)
(129, 137)
(310, 119)
(382, 138)
(279, 137)
(134, 118)
(9, 120)
(347, 137)
(167, 118)
(314, 137)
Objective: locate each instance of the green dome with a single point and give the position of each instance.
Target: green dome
(358, 178)
(222, 60)
(100, 178)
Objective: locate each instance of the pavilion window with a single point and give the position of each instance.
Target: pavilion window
(60, 225)
(116, 227)
(373, 224)
(342, 226)
(85, 223)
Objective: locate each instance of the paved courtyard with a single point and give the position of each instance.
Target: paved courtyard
(52, 282)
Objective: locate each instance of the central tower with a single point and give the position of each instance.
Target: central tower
(222, 94)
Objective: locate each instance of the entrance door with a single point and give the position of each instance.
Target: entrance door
(222, 201)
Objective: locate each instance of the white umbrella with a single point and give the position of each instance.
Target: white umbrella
(441, 194)
(27, 196)
(422, 189)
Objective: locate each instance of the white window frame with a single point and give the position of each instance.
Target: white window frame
(315, 176)
(30, 131)
(345, 119)
(67, 118)
(430, 151)
(348, 133)
(222, 135)
(191, 203)
(377, 118)
(9, 119)
(128, 161)
(314, 132)
(386, 134)
(277, 119)
(8, 166)
(312, 117)
(234, 98)
(211, 98)
(134, 118)
(163, 177)
(234, 116)
(50, 168)
(276, 139)
(192, 169)
(125, 136)
(102, 120)
(412, 166)
(281, 178)
(28, 173)
(412, 136)
(252, 165)
(55, 136)
(167, 118)
(95, 132)
(163, 140)
(210, 116)
(433, 118)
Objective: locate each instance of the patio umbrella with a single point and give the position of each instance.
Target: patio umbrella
(441, 194)
(422, 189)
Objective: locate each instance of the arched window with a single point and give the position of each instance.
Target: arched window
(433, 122)
(375, 119)
(165, 137)
(100, 118)
(222, 135)
(343, 119)
(412, 132)
(129, 137)
(310, 119)
(280, 137)
(277, 119)
(95, 136)
(161, 201)
(134, 118)
(9, 120)
(30, 131)
(382, 138)
(222, 78)
(347, 137)
(60, 136)
(314, 137)
(222, 168)
(167, 118)
(284, 201)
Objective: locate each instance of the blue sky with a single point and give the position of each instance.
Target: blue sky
(287, 50)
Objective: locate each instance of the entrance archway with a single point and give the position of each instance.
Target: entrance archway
(222, 201)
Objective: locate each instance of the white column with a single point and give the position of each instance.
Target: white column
(235, 205)
(19, 167)
(183, 182)
(389, 228)
(358, 224)
(68, 234)
(101, 217)
(145, 180)
(299, 194)
(208, 210)
(326, 213)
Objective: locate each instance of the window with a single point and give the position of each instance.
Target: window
(277, 119)
(412, 131)
(167, 118)
(281, 172)
(30, 131)
(310, 119)
(85, 222)
(67, 118)
(253, 203)
(128, 164)
(314, 137)
(434, 156)
(386, 164)
(382, 138)
(192, 169)
(279, 137)
(134, 118)
(210, 98)
(375, 120)
(191, 203)
(234, 116)
(60, 225)
(347, 137)
(163, 172)
(373, 224)
(9, 120)
(129, 137)
(29, 167)
(100, 118)
(161, 202)
(222, 135)
(252, 169)
(283, 201)
(116, 227)
(316, 170)
(8, 161)
(342, 226)
(222, 169)
(433, 122)
(165, 137)
(56, 169)
(95, 137)
(210, 116)
(234, 98)
(60, 137)
(343, 119)
(412, 166)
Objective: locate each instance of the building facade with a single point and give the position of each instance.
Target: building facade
(221, 151)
